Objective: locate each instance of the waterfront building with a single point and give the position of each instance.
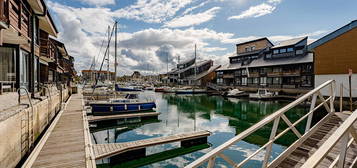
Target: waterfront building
(91, 75)
(334, 55)
(27, 53)
(286, 67)
(191, 72)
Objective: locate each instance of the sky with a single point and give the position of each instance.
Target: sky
(155, 33)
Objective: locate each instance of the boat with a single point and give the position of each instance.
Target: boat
(130, 103)
(262, 94)
(127, 89)
(191, 91)
(236, 93)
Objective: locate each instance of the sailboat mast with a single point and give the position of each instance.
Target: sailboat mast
(108, 74)
(116, 45)
(195, 63)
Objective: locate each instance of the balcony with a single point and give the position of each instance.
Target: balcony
(3, 17)
(47, 48)
(228, 76)
(291, 73)
(254, 74)
(274, 74)
(283, 55)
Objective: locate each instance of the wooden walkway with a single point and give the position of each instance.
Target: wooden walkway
(122, 116)
(65, 144)
(107, 150)
(300, 155)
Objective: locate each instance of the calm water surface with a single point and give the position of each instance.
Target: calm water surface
(225, 118)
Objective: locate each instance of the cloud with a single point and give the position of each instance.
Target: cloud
(98, 2)
(152, 11)
(255, 11)
(193, 19)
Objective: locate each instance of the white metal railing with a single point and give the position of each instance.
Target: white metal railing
(340, 135)
(275, 118)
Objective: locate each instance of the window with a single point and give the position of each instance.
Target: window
(238, 81)
(269, 81)
(276, 81)
(252, 48)
(255, 80)
(24, 69)
(244, 72)
(50, 76)
(306, 80)
(247, 49)
(244, 81)
(268, 56)
(250, 80)
(283, 50)
(290, 49)
(276, 51)
(299, 52)
(7, 64)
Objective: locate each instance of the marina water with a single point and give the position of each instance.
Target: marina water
(224, 117)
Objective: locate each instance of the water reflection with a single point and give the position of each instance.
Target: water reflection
(225, 118)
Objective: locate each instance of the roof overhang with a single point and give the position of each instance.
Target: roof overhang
(36, 5)
(47, 25)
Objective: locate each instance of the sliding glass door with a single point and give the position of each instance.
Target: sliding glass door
(7, 65)
(24, 69)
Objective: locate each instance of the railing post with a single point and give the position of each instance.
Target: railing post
(332, 92)
(269, 147)
(211, 162)
(309, 119)
(341, 97)
(344, 142)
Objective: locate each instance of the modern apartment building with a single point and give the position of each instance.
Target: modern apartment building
(286, 67)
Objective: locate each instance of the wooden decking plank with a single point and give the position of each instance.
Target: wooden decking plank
(65, 146)
(311, 144)
(106, 150)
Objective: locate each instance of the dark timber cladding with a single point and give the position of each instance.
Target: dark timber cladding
(65, 146)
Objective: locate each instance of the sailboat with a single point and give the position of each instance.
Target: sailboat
(192, 90)
(130, 103)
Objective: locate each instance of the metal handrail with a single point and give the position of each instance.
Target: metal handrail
(340, 135)
(211, 156)
(30, 100)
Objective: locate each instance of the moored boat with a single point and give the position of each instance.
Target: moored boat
(129, 104)
(236, 93)
(262, 94)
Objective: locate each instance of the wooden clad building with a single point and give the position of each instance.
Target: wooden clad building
(27, 52)
(334, 55)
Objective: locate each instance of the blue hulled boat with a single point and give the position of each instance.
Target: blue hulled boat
(119, 106)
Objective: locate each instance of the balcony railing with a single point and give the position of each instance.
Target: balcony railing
(228, 76)
(272, 74)
(291, 73)
(3, 16)
(47, 48)
(254, 74)
(17, 15)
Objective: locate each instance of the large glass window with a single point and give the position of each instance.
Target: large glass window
(24, 69)
(7, 64)
(275, 51)
(263, 81)
(290, 49)
(244, 81)
(283, 50)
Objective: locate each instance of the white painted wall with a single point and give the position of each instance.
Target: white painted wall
(339, 78)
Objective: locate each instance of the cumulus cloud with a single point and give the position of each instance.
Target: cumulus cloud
(152, 11)
(255, 11)
(98, 2)
(193, 19)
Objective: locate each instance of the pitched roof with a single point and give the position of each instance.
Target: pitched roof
(289, 42)
(261, 62)
(333, 35)
(259, 39)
